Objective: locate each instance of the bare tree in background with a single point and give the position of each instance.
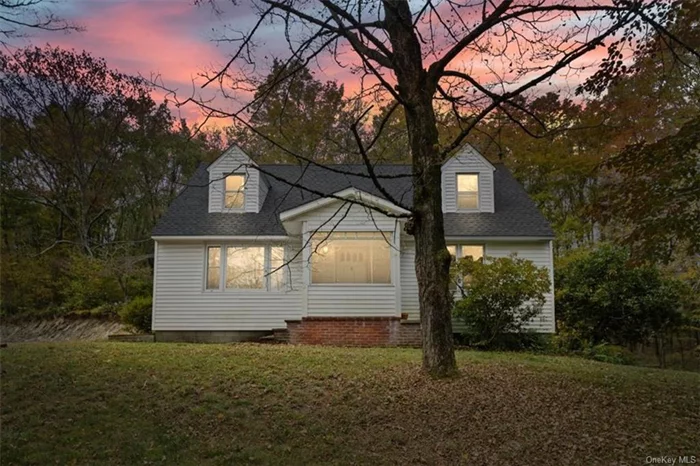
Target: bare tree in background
(19, 17)
(467, 58)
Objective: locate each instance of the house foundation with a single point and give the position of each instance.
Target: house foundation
(354, 331)
(205, 336)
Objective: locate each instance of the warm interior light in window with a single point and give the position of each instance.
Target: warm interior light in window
(325, 249)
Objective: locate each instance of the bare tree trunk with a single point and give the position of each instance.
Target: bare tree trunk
(432, 265)
(416, 91)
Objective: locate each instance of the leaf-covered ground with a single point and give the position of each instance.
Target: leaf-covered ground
(120, 403)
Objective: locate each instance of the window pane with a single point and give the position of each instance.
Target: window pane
(245, 267)
(467, 200)
(351, 258)
(277, 277)
(467, 183)
(467, 191)
(234, 182)
(475, 252)
(381, 261)
(234, 200)
(234, 197)
(213, 267)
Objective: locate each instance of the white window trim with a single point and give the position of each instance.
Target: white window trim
(244, 190)
(384, 236)
(267, 256)
(478, 192)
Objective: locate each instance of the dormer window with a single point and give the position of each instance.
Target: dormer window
(467, 191)
(234, 197)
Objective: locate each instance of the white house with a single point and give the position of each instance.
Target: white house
(242, 251)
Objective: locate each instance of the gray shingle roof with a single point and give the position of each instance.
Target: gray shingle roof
(516, 214)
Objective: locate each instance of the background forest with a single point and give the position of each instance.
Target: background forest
(90, 160)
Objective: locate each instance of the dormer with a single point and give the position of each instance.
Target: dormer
(467, 182)
(235, 183)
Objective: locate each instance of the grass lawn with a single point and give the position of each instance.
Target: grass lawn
(182, 404)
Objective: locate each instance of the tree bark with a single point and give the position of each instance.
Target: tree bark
(432, 258)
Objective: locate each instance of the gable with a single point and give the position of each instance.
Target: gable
(468, 161)
(468, 155)
(331, 213)
(351, 194)
(235, 161)
(231, 157)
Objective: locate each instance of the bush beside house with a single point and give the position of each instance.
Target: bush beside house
(606, 304)
(137, 314)
(498, 296)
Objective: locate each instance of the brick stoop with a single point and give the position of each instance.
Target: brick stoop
(353, 331)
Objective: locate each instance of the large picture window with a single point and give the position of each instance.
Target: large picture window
(234, 195)
(246, 268)
(467, 191)
(351, 257)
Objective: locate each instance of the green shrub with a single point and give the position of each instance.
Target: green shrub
(499, 295)
(602, 298)
(137, 313)
(612, 354)
(520, 341)
(567, 340)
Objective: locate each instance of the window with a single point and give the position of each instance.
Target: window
(234, 195)
(459, 251)
(351, 258)
(475, 252)
(467, 191)
(246, 268)
(213, 267)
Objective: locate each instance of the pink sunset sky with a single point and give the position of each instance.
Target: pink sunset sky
(175, 40)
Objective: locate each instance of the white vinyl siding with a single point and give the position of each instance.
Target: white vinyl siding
(182, 303)
(352, 301)
(235, 161)
(354, 218)
(537, 251)
(467, 161)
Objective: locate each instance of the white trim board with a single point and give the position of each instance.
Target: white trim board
(498, 238)
(222, 238)
(349, 193)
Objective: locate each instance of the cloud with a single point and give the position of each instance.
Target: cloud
(173, 39)
(168, 39)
